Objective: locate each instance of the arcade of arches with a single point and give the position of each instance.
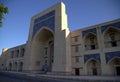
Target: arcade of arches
(15, 66)
(52, 49)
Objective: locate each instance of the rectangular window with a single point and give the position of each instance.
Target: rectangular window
(46, 51)
(113, 43)
(12, 54)
(76, 59)
(76, 48)
(76, 38)
(92, 47)
(45, 61)
(37, 63)
(52, 59)
(17, 53)
(22, 52)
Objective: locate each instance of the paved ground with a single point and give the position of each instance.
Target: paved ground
(15, 77)
(29, 77)
(88, 78)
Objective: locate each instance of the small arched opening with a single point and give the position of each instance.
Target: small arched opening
(10, 67)
(93, 67)
(115, 66)
(15, 66)
(20, 66)
(112, 37)
(91, 41)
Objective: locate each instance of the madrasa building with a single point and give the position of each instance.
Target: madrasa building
(52, 49)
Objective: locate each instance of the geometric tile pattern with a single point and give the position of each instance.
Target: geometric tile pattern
(89, 31)
(92, 56)
(47, 20)
(115, 25)
(110, 55)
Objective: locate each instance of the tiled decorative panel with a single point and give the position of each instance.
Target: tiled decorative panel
(92, 56)
(116, 25)
(89, 31)
(110, 55)
(47, 20)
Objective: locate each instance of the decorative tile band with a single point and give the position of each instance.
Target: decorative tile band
(116, 25)
(92, 56)
(52, 13)
(89, 31)
(47, 20)
(110, 55)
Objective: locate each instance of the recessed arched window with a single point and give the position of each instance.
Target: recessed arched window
(17, 53)
(22, 52)
(93, 67)
(12, 54)
(113, 40)
(91, 42)
(115, 66)
(112, 37)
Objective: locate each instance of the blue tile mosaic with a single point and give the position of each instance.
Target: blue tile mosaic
(110, 55)
(47, 20)
(89, 31)
(116, 25)
(92, 56)
(52, 13)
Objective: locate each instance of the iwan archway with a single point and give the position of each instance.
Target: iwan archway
(48, 45)
(42, 50)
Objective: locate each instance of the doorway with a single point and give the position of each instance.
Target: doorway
(77, 71)
(115, 66)
(40, 42)
(94, 71)
(118, 71)
(93, 67)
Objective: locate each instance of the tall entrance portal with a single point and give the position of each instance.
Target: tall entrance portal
(48, 45)
(43, 50)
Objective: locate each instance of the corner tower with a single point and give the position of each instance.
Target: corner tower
(49, 41)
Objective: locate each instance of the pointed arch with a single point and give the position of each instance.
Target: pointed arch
(42, 28)
(111, 37)
(114, 64)
(110, 27)
(92, 59)
(40, 45)
(91, 42)
(93, 67)
(114, 58)
(89, 33)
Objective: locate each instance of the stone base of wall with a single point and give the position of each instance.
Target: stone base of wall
(59, 73)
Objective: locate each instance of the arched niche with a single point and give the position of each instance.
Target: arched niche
(114, 64)
(90, 41)
(111, 37)
(42, 54)
(93, 67)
